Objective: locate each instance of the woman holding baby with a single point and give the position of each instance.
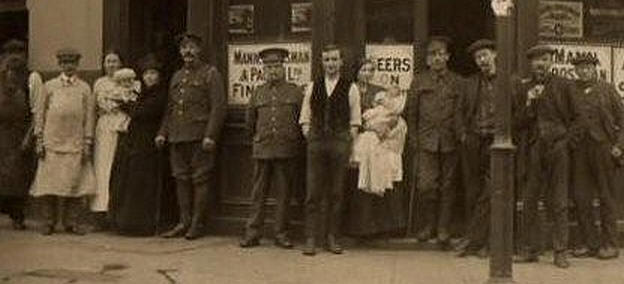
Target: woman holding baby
(375, 205)
(109, 123)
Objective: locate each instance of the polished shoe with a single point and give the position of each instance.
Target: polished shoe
(310, 247)
(608, 253)
(177, 231)
(283, 242)
(467, 252)
(443, 236)
(333, 246)
(584, 253)
(525, 258)
(47, 230)
(561, 260)
(75, 230)
(248, 242)
(425, 234)
(483, 253)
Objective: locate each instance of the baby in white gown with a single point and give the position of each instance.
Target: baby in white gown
(127, 90)
(378, 150)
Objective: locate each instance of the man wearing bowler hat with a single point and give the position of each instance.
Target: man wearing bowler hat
(476, 136)
(191, 124)
(596, 152)
(272, 117)
(543, 111)
(432, 119)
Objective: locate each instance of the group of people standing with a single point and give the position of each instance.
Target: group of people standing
(105, 145)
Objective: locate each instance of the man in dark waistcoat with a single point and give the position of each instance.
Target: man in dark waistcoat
(272, 117)
(596, 151)
(544, 113)
(330, 118)
(432, 120)
(477, 135)
(191, 124)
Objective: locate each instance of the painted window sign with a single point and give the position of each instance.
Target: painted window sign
(561, 19)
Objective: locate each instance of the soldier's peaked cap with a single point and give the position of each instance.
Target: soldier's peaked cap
(481, 44)
(273, 55)
(539, 50)
(188, 37)
(68, 54)
(584, 59)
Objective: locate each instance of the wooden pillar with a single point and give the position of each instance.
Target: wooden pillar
(503, 150)
(527, 31)
(200, 20)
(116, 31)
(421, 32)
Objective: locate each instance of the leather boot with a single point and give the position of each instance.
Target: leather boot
(48, 213)
(332, 245)
(200, 204)
(71, 211)
(183, 193)
(608, 253)
(310, 247)
(561, 260)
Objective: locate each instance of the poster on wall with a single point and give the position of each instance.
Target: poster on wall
(618, 70)
(245, 68)
(241, 19)
(300, 17)
(561, 19)
(564, 53)
(394, 64)
(605, 19)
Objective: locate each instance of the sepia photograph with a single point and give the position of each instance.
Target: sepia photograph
(312, 141)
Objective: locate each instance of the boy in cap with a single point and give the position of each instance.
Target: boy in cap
(432, 116)
(598, 144)
(476, 136)
(543, 111)
(192, 124)
(64, 130)
(277, 140)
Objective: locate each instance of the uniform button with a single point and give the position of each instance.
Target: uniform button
(274, 129)
(180, 101)
(181, 91)
(274, 98)
(273, 118)
(180, 112)
(273, 108)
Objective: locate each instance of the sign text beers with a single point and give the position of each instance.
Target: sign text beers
(245, 68)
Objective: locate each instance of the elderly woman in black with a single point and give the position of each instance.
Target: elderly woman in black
(137, 175)
(13, 126)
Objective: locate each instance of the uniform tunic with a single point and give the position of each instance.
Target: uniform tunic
(65, 122)
(272, 121)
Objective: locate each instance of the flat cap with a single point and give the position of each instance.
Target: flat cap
(14, 45)
(438, 42)
(68, 54)
(584, 59)
(150, 61)
(273, 55)
(539, 50)
(124, 73)
(481, 44)
(188, 37)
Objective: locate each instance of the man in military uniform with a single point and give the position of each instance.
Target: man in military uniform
(476, 136)
(432, 119)
(597, 149)
(330, 118)
(544, 112)
(272, 117)
(191, 124)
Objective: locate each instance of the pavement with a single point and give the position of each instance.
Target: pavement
(28, 257)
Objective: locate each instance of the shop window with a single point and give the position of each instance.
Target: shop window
(389, 21)
(268, 20)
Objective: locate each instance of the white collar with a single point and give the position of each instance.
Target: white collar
(68, 80)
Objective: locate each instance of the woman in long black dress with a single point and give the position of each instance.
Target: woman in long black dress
(13, 126)
(370, 215)
(138, 169)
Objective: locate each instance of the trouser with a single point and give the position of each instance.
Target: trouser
(14, 207)
(436, 186)
(192, 168)
(593, 176)
(547, 174)
(477, 185)
(278, 174)
(327, 163)
(70, 210)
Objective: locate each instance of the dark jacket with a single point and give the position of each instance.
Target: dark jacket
(469, 103)
(197, 105)
(272, 119)
(433, 111)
